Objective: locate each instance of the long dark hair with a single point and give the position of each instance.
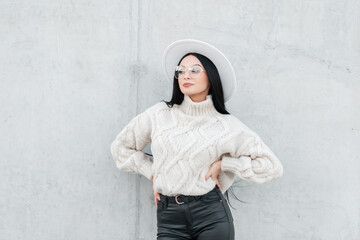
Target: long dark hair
(215, 90)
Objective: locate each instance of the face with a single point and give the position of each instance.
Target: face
(200, 82)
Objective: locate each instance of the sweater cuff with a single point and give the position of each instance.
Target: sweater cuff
(146, 168)
(234, 165)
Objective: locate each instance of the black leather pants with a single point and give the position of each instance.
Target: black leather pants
(208, 218)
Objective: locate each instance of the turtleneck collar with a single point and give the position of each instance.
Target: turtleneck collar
(203, 108)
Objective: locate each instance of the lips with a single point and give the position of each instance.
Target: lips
(187, 84)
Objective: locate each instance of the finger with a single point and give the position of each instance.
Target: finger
(207, 176)
(155, 194)
(158, 196)
(156, 202)
(218, 183)
(214, 179)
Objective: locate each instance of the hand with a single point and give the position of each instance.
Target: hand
(214, 171)
(156, 194)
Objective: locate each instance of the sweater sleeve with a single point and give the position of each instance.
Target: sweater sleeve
(127, 147)
(250, 158)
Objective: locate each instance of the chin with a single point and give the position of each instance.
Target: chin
(189, 93)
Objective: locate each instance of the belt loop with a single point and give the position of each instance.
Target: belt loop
(219, 192)
(165, 201)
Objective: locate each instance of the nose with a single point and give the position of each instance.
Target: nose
(186, 74)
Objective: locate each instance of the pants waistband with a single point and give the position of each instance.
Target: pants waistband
(181, 199)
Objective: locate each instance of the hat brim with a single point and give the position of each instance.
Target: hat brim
(176, 50)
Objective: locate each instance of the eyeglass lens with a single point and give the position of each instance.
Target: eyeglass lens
(194, 71)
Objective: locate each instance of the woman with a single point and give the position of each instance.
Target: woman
(198, 147)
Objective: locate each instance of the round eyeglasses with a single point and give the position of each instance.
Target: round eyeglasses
(194, 71)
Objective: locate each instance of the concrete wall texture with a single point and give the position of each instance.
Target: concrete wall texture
(74, 72)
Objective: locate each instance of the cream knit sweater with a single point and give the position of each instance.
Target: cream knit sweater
(185, 140)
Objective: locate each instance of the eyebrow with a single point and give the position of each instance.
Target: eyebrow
(193, 65)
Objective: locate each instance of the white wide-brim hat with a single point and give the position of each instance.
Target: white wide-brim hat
(176, 50)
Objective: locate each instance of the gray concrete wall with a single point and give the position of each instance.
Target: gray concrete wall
(73, 73)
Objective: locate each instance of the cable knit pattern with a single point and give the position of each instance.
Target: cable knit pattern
(185, 140)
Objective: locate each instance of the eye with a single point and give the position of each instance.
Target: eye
(196, 69)
(180, 68)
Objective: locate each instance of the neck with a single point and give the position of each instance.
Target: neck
(203, 108)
